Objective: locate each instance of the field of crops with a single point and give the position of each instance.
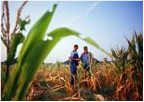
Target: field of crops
(105, 83)
(27, 77)
(118, 80)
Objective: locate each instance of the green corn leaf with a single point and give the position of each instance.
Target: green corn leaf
(36, 34)
(139, 42)
(114, 54)
(92, 42)
(65, 32)
(38, 30)
(62, 32)
(133, 42)
(3, 76)
(29, 68)
(131, 48)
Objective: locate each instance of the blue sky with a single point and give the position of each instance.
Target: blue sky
(107, 22)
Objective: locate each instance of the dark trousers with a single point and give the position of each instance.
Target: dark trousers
(73, 73)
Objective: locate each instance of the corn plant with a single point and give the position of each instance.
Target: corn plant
(58, 64)
(130, 82)
(133, 55)
(135, 50)
(33, 53)
(120, 57)
(12, 39)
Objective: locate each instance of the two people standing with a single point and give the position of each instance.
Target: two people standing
(86, 58)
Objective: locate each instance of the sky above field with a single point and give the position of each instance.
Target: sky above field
(106, 22)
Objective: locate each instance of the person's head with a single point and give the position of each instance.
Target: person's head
(85, 49)
(75, 47)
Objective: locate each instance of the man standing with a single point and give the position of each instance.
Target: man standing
(74, 58)
(86, 58)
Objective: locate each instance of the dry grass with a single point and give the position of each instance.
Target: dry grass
(51, 83)
(104, 84)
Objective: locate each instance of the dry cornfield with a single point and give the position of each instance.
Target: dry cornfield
(51, 83)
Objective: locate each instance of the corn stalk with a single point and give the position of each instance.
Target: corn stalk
(11, 39)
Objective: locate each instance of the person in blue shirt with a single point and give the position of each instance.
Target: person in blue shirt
(74, 58)
(86, 58)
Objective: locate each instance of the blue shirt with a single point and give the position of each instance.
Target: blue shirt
(85, 57)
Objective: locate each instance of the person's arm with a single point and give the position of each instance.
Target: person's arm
(91, 57)
(74, 59)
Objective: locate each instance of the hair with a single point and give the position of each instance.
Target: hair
(85, 47)
(75, 45)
